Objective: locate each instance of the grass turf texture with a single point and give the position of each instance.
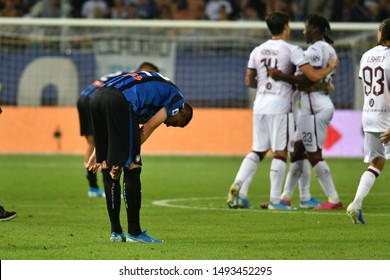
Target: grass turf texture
(56, 220)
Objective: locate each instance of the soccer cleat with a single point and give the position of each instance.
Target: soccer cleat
(232, 196)
(116, 237)
(280, 206)
(309, 204)
(285, 201)
(243, 203)
(355, 214)
(143, 237)
(5, 215)
(329, 206)
(96, 192)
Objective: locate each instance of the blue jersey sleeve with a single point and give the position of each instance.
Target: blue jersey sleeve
(174, 103)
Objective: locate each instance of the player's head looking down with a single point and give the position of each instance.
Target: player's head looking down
(182, 118)
(148, 66)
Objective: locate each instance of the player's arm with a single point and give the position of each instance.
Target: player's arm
(316, 74)
(329, 87)
(299, 80)
(303, 83)
(148, 128)
(92, 165)
(250, 78)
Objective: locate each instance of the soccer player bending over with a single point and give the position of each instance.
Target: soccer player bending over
(118, 109)
(86, 127)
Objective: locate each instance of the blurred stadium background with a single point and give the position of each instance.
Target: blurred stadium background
(45, 63)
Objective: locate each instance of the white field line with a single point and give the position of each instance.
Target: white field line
(168, 203)
(173, 203)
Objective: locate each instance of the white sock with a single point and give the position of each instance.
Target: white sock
(322, 171)
(246, 173)
(243, 193)
(292, 178)
(304, 181)
(277, 173)
(366, 182)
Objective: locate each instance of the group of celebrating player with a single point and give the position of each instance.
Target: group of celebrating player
(283, 73)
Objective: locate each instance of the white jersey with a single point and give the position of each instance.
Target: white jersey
(375, 75)
(274, 97)
(318, 55)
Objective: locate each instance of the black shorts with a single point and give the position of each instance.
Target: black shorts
(86, 127)
(116, 128)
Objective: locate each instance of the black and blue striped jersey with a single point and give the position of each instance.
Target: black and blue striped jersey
(90, 90)
(148, 92)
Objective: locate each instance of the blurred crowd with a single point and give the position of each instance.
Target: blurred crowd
(246, 10)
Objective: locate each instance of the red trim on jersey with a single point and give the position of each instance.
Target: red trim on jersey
(97, 83)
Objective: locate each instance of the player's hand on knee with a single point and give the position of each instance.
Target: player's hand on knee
(91, 161)
(116, 171)
(94, 167)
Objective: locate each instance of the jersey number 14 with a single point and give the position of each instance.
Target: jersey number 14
(270, 62)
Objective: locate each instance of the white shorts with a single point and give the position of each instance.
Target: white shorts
(373, 147)
(272, 132)
(313, 129)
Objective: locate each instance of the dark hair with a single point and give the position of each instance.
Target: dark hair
(384, 28)
(188, 112)
(276, 22)
(322, 24)
(149, 65)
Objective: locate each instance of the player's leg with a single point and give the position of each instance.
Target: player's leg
(108, 108)
(86, 130)
(131, 174)
(278, 127)
(324, 176)
(132, 194)
(299, 171)
(295, 171)
(305, 168)
(238, 192)
(375, 154)
(112, 189)
(91, 177)
(306, 199)
(240, 187)
(126, 151)
(317, 131)
(277, 174)
(94, 190)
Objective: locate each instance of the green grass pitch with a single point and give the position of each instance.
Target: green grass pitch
(184, 203)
